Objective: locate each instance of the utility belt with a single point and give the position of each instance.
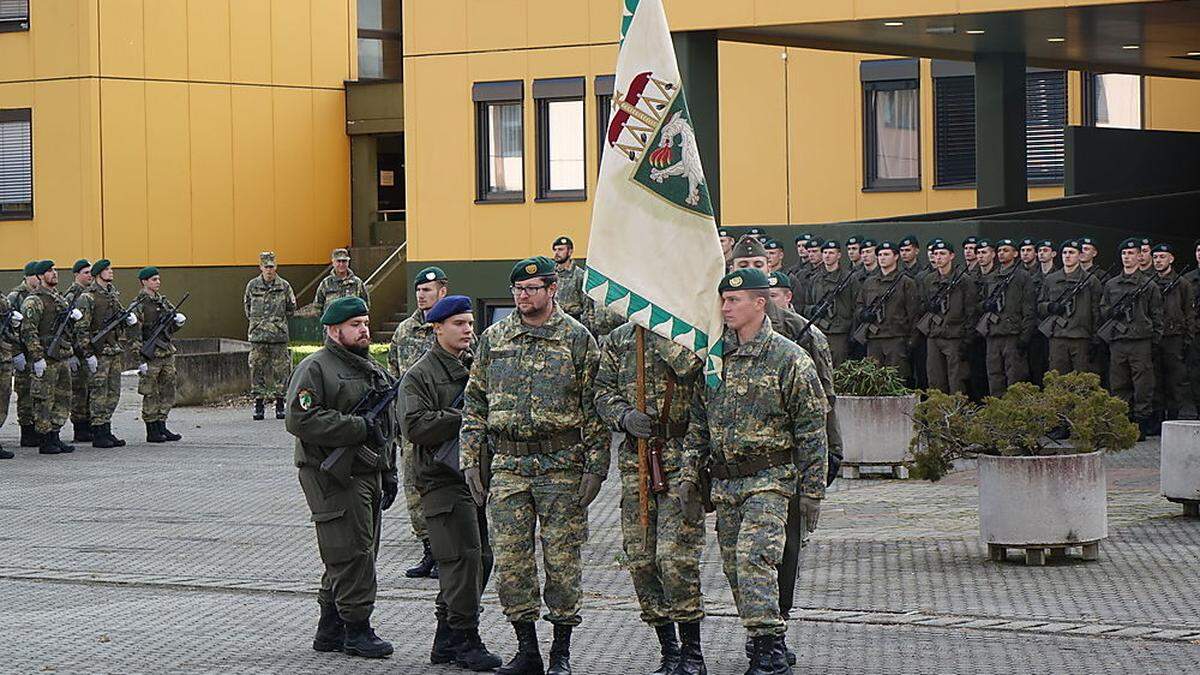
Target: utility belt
(560, 441)
(750, 467)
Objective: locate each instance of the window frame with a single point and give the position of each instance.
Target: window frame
(545, 92)
(604, 85)
(21, 115)
(383, 36)
(1089, 99)
(871, 181)
(16, 24)
(485, 95)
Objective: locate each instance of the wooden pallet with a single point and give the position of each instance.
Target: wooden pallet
(1038, 555)
(855, 470)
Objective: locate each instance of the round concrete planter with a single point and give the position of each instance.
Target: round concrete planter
(876, 431)
(1051, 502)
(1180, 466)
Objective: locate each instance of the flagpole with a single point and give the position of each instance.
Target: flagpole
(642, 451)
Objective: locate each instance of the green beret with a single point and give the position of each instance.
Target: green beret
(43, 266)
(531, 268)
(344, 309)
(748, 247)
(31, 268)
(780, 280)
(772, 245)
(563, 241)
(80, 264)
(1132, 242)
(100, 265)
(147, 272)
(429, 274)
(747, 279)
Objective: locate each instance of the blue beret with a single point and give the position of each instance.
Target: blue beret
(147, 272)
(344, 309)
(448, 307)
(100, 265)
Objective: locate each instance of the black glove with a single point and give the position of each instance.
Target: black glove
(991, 305)
(637, 423)
(391, 487)
(375, 436)
(1057, 308)
(869, 315)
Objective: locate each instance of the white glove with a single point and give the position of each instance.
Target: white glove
(15, 319)
(19, 363)
(76, 314)
(93, 364)
(179, 319)
(143, 369)
(39, 367)
(131, 320)
(73, 364)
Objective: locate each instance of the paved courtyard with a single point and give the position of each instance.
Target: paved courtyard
(198, 557)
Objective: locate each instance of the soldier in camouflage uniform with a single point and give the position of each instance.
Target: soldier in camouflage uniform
(268, 303)
(103, 353)
(530, 403)
(412, 338)
(10, 322)
(80, 422)
(753, 433)
(156, 374)
(341, 283)
(22, 375)
(1170, 393)
(664, 557)
(47, 333)
(570, 296)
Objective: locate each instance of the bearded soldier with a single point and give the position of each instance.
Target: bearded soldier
(103, 353)
(46, 332)
(570, 295)
(156, 374)
(268, 303)
(22, 375)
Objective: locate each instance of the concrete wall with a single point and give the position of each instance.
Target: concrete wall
(211, 370)
(1131, 160)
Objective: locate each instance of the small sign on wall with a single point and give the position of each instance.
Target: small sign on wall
(387, 179)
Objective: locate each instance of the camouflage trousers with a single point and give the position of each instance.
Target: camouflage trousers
(270, 369)
(520, 507)
(663, 559)
(104, 389)
(157, 388)
(751, 531)
(51, 397)
(80, 409)
(21, 383)
(5, 390)
(412, 498)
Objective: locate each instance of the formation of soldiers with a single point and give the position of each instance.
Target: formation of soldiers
(64, 353)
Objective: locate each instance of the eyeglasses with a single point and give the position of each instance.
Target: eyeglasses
(527, 290)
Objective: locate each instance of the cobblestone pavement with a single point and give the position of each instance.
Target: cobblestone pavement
(198, 557)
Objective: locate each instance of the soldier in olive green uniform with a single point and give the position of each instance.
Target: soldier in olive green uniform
(1069, 304)
(433, 398)
(80, 423)
(1170, 358)
(342, 282)
(347, 471)
(268, 303)
(47, 334)
(22, 375)
(664, 557)
(1131, 319)
(411, 340)
(101, 335)
(952, 304)
(1008, 297)
(889, 307)
(835, 287)
(10, 323)
(753, 433)
(530, 403)
(156, 374)
(1193, 340)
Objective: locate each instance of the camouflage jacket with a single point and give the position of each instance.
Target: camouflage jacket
(1178, 316)
(16, 299)
(601, 320)
(1144, 319)
(1017, 301)
(333, 287)
(8, 334)
(570, 296)
(616, 389)
(839, 315)
(1082, 310)
(149, 311)
(532, 383)
(267, 307)
(769, 400)
(413, 337)
(42, 310)
(100, 305)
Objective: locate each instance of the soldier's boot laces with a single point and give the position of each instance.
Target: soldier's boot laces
(331, 630)
(528, 660)
(258, 409)
(669, 647)
(82, 431)
(691, 658)
(560, 651)
(762, 656)
(473, 655)
(361, 640)
(5, 454)
(445, 644)
(425, 567)
(30, 437)
(153, 434)
(167, 433)
(279, 412)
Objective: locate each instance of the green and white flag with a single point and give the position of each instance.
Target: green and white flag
(654, 256)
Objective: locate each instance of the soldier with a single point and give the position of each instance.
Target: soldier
(156, 374)
(346, 470)
(412, 338)
(1145, 259)
(854, 250)
(1170, 357)
(1047, 257)
(1008, 298)
(1073, 311)
(341, 283)
(664, 557)
(433, 393)
(102, 339)
(968, 250)
(801, 266)
(10, 323)
(1087, 258)
(81, 425)
(22, 376)
(868, 264)
(909, 255)
(889, 307)
(952, 303)
(530, 402)
(1027, 249)
(774, 255)
(1039, 346)
(726, 239)
(47, 335)
(1099, 349)
(781, 290)
(753, 433)
(268, 304)
(570, 297)
(832, 291)
(1193, 340)
(910, 264)
(1131, 318)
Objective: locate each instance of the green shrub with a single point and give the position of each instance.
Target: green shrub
(865, 377)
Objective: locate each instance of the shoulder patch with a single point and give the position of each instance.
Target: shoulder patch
(305, 398)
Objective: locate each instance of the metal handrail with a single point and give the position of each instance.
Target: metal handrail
(386, 263)
(315, 280)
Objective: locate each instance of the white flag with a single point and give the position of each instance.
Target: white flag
(654, 256)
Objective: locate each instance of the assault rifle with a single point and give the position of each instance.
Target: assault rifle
(1123, 308)
(117, 319)
(875, 311)
(160, 327)
(1067, 297)
(927, 322)
(60, 327)
(340, 462)
(995, 299)
(826, 302)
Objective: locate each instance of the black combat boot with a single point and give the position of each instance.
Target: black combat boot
(5, 454)
(560, 651)
(780, 655)
(762, 656)
(167, 433)
(423, 568)
(100, 439)
(154, 434)
(669, 647)
(528, 660)
(691, 659)
(30, 438)
(445, 644)
(331, 630)
(83, 432)
(473, 655)
(279, 412)
(361, 640)
(117, 442)
(49, 445)
(789, 655)
(258, 409)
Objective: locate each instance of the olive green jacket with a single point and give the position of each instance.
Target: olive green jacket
(432, 390)
(1082, 311)
(1145, 317)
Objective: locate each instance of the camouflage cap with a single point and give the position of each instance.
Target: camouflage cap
(531, 268)
(340, 254)
(147, 272)
(266, 259)
(80, 265)
(780, 280)
(747, 279)
(749, 247)
(429, 274)
(43, 266)
(344, 309)
(30, 269)
(563, 241)
(100, 265)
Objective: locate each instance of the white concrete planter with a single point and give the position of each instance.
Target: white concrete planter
(1051, 502)
(1180, 466)
(876, 431)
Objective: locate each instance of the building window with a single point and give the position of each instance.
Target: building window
(1113, 100)
(379, 40)
(560, 138)
(16, 165)
(604, 95)
(954, 131)
(891, 125)
(14, 15)
(499, 141)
